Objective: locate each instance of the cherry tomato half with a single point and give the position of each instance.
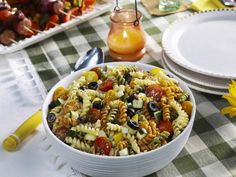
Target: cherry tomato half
(4, 14)
(155, 91)
(89, 2)
(165, 125)
(106, 85)
(102, 146)
(187, 107)
(93, 115)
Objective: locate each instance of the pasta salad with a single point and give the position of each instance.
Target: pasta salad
(119, 110)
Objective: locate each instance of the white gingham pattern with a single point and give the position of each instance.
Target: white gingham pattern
(211, 148)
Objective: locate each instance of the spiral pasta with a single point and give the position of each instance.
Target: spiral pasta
(145, 111)
(151, 134)
(122, 116)
(165, 80)
(104, 115)
(62, 122)
(122, 144)
(143, 146)
(73, 89)
(166, 112)
(159, 140)
(181, 121)
(86, 102)
(133, 143)
(112, 116)
(113, 127)
(120, 79)
(138, 74)
(129, 90)
(87, 129)
(78, 144)
(56, 110)
(92, 94)
(141, 82)
(183, 97)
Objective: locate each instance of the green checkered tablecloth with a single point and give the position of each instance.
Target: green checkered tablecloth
(211, 148)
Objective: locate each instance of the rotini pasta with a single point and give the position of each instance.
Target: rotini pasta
(133, 143)
(145, 111)
(112, 116)
(87, 129)
(120, 112)
(159, 140)
(122, 116)
(120, 79)
(104, 115)
(78, 144)
(113, 127)
(122, 144)
(86, 102)
(181, 121)
(166, 112)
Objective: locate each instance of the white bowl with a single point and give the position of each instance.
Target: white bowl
(110, 166)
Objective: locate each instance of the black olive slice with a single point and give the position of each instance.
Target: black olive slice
(133, 124)
(131, 98)
(51, 117)
(93, 85)
(130, 112)
(52, 105)
(98, 104)
(127, 77)
(152, 106)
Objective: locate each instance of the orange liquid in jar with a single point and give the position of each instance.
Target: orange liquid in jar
(126, 41)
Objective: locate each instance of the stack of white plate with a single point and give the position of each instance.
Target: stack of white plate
(201, 50)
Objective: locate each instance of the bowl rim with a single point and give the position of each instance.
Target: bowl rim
(77, 74)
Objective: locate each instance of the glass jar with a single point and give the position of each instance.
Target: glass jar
(126, 39)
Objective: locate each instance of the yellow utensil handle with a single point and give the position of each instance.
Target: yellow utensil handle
(25, 129)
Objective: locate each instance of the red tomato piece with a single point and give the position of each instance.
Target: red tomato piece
(106, 85)
(4, 14)
(155, 91)
(102, 146)
(165, 126)
(52, 22)
(89, 2)
(93, 115)
(76, 11)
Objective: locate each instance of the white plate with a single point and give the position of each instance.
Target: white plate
(97, 10)
(197, 78)
(195, 86)
(204, 42)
